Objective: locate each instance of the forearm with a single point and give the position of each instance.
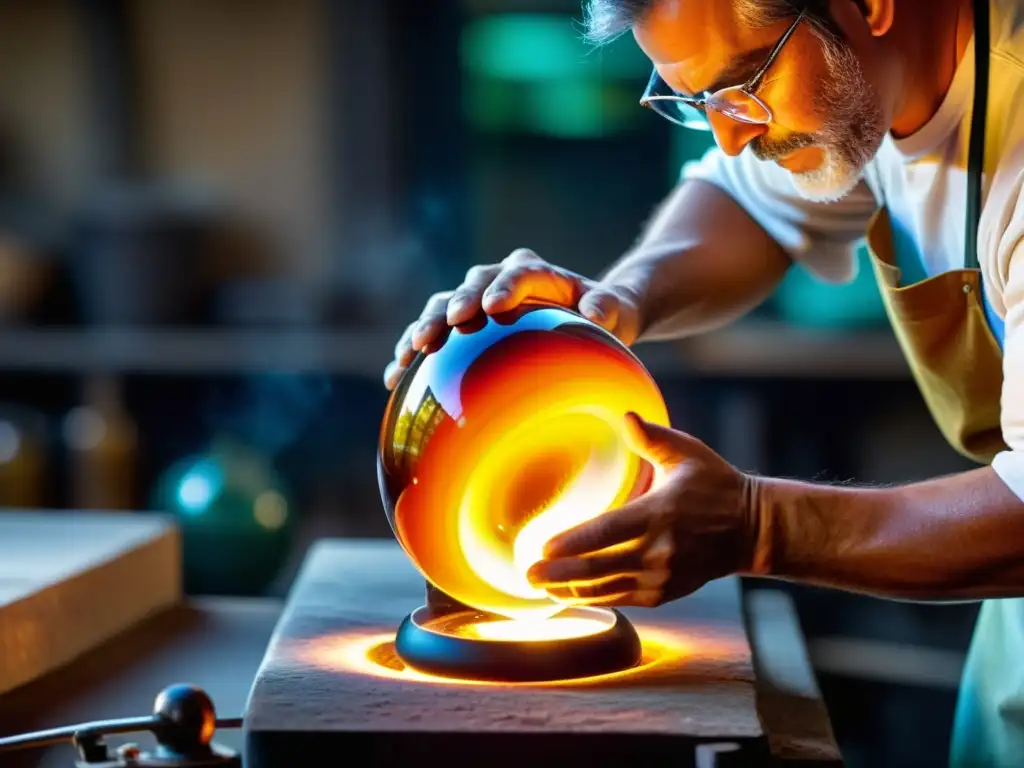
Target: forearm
(955, 537)
(702, 263)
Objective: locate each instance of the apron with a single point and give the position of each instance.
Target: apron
(953, 345)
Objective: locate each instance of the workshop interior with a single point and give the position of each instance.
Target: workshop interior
(217, 218)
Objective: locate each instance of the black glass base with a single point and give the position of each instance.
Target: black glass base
(579, 642)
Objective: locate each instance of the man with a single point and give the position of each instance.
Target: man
(833, 119)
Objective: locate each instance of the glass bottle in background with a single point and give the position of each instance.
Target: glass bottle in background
(102, 444)
(23, 459)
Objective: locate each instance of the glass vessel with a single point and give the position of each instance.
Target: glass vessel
(508, 434)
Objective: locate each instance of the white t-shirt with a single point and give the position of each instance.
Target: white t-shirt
(922, 179)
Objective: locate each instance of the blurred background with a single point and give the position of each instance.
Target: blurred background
(216, 218)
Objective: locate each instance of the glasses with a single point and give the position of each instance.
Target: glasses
(736, 101)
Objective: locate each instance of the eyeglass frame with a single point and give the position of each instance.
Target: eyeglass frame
(699, 102)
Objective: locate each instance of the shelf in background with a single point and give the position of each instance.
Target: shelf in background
(780, 350)
(197, 351)
(766, 350)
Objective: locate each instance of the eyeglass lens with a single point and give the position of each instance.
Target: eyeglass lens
(739, 105)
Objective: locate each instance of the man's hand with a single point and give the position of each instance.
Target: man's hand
(697, 525)
(501, 287)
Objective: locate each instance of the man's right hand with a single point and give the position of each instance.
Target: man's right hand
(494, 288)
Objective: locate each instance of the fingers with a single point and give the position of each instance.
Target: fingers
(574, 593)
(644, 598)
(524, 276)
(465, 302)
(563, 570)
(392, 373)
(418, 335)
(450, 308)
(601, 307)
(432, 322)
(639, 589)
(404, 354)
(645, 559)
(620, 525)
(662, 446)
(495, 288)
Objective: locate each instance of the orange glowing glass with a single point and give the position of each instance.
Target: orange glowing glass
(511, 433)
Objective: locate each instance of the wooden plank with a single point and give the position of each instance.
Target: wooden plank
(12, 590)
(789, 700)
(316, 691)
(70, 581)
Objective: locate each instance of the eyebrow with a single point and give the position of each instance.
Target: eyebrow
(740, 68)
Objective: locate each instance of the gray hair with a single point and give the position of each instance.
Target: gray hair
(605, 20)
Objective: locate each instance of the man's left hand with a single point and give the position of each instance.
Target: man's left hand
(696, 526)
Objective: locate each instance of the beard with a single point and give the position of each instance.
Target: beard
(853, 130)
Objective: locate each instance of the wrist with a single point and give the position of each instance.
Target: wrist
(803, 530)
(760, 529)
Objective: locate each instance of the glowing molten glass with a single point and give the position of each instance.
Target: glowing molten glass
(511, 433)
(538, 630)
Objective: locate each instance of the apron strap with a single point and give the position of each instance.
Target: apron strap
(976, 150)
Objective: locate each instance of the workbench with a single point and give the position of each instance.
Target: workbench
(219, 644)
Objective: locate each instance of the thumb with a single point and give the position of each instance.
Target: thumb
(601, 307)
(662, 446)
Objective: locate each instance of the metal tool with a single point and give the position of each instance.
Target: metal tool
(183, 723)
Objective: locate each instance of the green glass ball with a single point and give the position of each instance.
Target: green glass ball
(236, 518)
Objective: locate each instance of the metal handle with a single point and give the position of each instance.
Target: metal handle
(89, 731)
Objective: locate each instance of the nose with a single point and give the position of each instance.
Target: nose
(732, 135)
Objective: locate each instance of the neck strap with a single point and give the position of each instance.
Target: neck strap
(976, 150)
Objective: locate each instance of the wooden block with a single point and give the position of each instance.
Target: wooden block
(789, 700)
(316, 692)
(70, 581)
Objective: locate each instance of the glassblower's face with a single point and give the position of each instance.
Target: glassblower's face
(827, 121)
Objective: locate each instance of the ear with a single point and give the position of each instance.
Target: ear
(878, 14)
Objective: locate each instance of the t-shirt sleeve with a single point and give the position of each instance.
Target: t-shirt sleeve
(1001, 238)
(822, 236)
(1009, 465)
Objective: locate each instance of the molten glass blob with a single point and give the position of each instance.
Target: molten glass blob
(509, 434)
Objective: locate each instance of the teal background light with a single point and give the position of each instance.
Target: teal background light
(534, 73)
(199, 486)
